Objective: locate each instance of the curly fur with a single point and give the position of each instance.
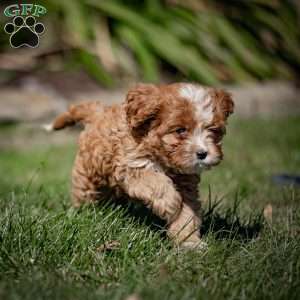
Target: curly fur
(146, 149)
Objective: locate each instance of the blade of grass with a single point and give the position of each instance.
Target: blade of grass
(145, 58)
(76, 22)
(93, 67)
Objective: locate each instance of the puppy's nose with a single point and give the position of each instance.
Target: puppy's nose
(201, 154)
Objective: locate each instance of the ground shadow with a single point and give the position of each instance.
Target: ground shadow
(225, 225)
(230, 227)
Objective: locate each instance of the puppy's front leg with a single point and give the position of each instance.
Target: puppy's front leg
(156, 190)
(159, 193)
(185, 229)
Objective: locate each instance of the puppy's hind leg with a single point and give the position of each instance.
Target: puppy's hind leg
(85, 188)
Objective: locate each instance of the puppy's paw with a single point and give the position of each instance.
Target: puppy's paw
(194, 245)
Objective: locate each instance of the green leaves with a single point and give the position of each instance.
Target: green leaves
(94, 67)
(162, 42)
(144, 56)
(235, 42)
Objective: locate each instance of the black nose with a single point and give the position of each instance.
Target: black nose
(201, 155)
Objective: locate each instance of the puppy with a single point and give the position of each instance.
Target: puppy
(152, 148)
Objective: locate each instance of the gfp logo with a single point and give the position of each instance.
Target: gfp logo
(24, 30)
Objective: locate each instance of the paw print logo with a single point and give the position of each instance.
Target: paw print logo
(24, 32)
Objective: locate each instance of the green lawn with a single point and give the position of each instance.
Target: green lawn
(50, 251)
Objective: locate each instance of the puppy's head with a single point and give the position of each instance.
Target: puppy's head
(181, 125)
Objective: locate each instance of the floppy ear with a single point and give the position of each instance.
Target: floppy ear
(141, 107)
(224, 103)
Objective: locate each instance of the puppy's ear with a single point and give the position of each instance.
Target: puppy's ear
(142, 106)
(224, 104)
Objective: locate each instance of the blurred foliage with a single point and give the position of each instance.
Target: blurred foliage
(207, 41)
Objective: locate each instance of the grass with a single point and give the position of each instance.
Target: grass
(50, 251)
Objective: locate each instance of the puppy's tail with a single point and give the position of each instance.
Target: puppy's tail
(79, 113)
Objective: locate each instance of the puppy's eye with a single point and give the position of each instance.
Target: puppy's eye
(181, 130)
(217, 130)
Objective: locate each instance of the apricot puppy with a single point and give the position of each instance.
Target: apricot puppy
(152, 148)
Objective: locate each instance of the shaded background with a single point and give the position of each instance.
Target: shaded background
(206, 41)
(96, 49)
